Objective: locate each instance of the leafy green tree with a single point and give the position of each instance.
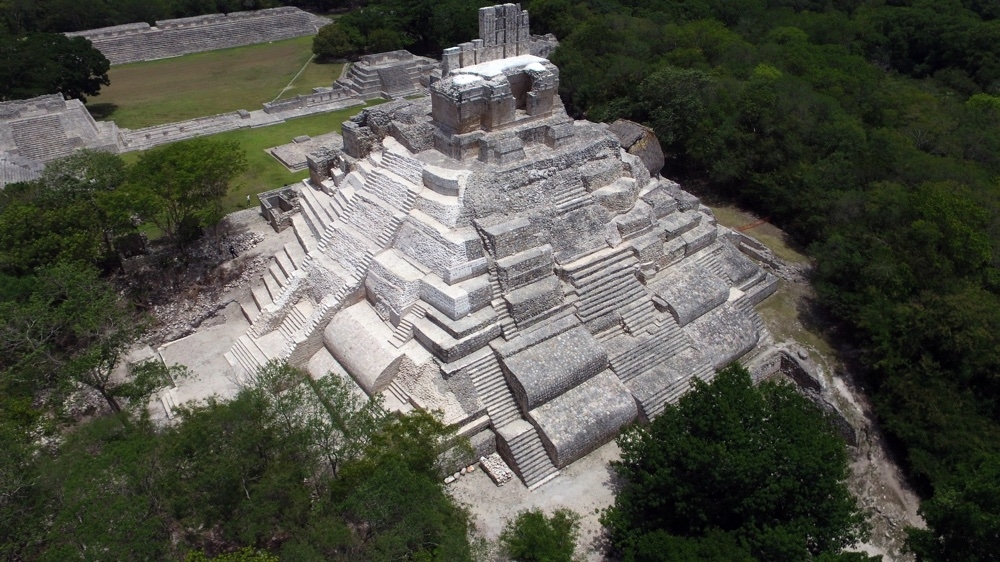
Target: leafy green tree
(242, 555)
(76, 211)
(758, 463)
(73, 329)
(963, 518)
(337, 41)
(50, 63)
(183, 184)
(104, 501)
(533, 536)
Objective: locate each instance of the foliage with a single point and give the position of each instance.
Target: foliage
(181, 186)
(76, 211)
(533, 536)
(962, 518)
(72, 329)
(337, 42)
(760, 464)
(250, 479)
(50, 63)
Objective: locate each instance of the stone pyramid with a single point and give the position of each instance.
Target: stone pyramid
(482, 254)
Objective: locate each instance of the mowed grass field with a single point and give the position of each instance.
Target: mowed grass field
(164, 91)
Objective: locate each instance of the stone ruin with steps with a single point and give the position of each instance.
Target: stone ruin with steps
(482, 254)
(135, 42)
(41, 129)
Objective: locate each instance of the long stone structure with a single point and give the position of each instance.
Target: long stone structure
(482, 254)
(171, 38)
(38, 130)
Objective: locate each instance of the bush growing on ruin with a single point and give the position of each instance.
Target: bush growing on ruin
(533, 536)
(760, 465)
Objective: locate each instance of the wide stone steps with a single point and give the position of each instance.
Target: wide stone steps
(639, 317)
(41, 138)
(531, 460)
(173, 40)
(611, 333)
(398, 392)
(671, 393)
(293, 321)
(390, 188)
(319, 214)
(570, 196)
(407, 168)
(585, 274)
(248, 354)
(404, 330)
(667, 340)
(491, 386)
(615, 296)
(708, 259)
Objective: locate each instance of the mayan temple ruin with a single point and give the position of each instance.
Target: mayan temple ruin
(482, 254)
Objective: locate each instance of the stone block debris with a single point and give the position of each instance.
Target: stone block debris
(496, 469)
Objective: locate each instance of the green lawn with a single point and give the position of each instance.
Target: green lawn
(263, 171)
(314, 75)
(164, 91)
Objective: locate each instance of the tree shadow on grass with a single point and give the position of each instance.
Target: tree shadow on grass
(102, 111)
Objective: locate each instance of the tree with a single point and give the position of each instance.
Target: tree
(50, 63)
(104, 501)
(76, 211)
(760, 464)
(180, 187)
(73, 329)
(963, 518)
(336, 41)
(534, 537)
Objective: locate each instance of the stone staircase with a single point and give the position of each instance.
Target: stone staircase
(507, 325)
(708, 259)
(663, 342)
(531, 461)
(607, 285)
(338, 235)
(569, 196)
(492, 389)
(177, 37)
(671, 393)
(398, 392)
(639, 317)
(404, 330)
(247, 354)
(41, 138)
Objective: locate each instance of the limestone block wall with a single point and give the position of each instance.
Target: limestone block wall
(392, 281)
(452, 255)
(171, 38)
(458, 300)
(584, 418)
(525, 268)
(546, 370)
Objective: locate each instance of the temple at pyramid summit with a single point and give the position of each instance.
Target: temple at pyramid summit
(480, 253)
